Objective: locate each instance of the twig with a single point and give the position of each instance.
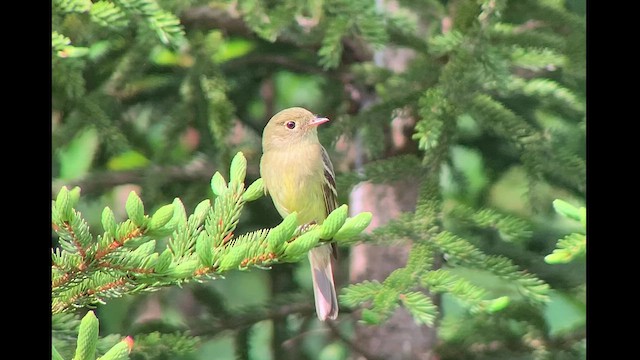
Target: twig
(270, 59)
(249, 318)
(206, 17)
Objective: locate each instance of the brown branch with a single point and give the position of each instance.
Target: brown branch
(280, 60)
(135, 233)
(107, 265)
(249, 318)
(61, 306)
(230, 22)
(207, 17)
(72, 274)
(108, 286)
(64, 279)
(84, 267)
(74, 239)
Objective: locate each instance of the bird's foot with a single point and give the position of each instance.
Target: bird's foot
(306, 226)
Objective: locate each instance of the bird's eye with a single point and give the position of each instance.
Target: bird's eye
(290, 124)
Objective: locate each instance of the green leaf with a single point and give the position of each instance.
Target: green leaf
(536, 59)
(281, 233)
(164, 261)
(128, 160)
(99, 49)
(420, 258)
(218, 185)
(55, 355)
(553, 90)
(444, 281)
(233, 258)
(204, 249)
(74, 196)
(420, 306)
(356, 294)
(231, 49)
(470, 164)
(202, 208)
(142, 251)
(135, 209)
(434, 108)
(254, 191)
(108, 14)
(161, 217)
(295, 88)
(238, 169)
(334, 222)
(331, 49)
(109, 221)
(498, 304)
(119, 351)
(509, 228)
(201, 211)
(441, 44)
(164, 56)
(63, 204)
(302, 244)
(68, 6)
(77, 156)
(179, 218)
(370, 317)
(59, 41)
(567, 210)
(568, 248)
(353, 226)
(87, 338)
(73, 52)
(167, 27)
(185, 269)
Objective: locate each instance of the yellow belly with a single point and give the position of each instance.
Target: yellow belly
(295, 185)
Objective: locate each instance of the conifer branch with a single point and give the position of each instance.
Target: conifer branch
(398, 229)
(253, 22)
(459, 251)
(479, 75)
(115, 15)
(88, 340)
(71, 6)
(572, 246)
(172, 345)
(508, 227)
(384, 171)
(123, 260)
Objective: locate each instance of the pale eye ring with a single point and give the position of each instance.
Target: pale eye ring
(290, 124)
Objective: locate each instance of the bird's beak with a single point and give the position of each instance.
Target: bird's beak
(317, 121)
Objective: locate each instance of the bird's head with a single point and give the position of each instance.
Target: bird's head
(290, 127)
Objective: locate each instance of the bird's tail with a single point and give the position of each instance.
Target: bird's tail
(324, 289)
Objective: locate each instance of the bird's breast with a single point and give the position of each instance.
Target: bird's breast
(294, 178)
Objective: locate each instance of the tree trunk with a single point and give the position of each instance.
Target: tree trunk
(399, 337)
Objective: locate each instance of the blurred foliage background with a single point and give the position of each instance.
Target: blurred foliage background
(155, 96)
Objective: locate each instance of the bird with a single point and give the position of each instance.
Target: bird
(298, 175)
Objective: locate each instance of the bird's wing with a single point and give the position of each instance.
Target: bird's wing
(329, 191)
(329, 184)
